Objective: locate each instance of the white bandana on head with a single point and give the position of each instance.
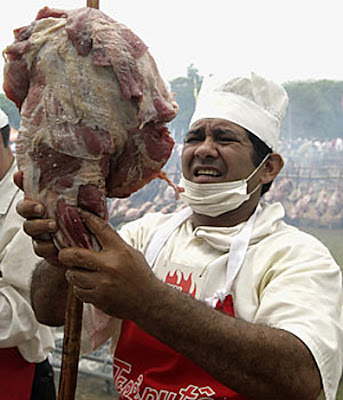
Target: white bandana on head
(252, 102)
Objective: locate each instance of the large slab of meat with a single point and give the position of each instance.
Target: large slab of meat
(94, 110)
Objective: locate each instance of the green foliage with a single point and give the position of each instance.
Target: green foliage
(11, 110)
(315, 110)
(315, 107)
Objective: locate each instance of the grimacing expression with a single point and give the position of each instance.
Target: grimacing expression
(216, 150)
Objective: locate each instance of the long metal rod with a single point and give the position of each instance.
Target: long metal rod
(72, 330)
(71, 347)
(93, 3)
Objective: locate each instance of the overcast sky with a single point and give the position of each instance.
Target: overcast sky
(284, 40)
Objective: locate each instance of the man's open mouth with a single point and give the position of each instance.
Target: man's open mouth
(207, 172)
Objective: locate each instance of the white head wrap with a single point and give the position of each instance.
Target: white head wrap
(254, 103)
(3, 119)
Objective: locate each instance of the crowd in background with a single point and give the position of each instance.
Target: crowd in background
(317, 155)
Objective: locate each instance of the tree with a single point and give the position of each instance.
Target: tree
(186, 89)
(11, 110)
(315, 110)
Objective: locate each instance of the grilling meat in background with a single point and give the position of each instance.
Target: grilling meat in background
(93, 109)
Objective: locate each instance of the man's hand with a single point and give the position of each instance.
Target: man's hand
(36, 226)
(39, 228)
(49, 286)
(117, 279)
(18, 179)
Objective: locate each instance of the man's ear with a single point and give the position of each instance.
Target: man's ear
(271, 168)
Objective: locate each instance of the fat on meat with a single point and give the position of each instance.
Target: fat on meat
(93, 111)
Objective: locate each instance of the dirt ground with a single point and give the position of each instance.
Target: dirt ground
(91, 388)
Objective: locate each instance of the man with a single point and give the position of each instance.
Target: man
(24, 343)
(258, 308)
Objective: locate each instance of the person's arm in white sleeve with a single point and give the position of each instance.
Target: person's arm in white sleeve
(18, 324)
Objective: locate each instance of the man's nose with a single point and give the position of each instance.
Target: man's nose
(206, 148)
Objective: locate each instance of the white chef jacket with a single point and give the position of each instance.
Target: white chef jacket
(288, 279)
(18, 325)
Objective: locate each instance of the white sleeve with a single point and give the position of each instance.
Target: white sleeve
(302, 294)
(17, 262)
(18, 324)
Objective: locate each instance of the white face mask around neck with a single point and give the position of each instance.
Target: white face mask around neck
(214, 199)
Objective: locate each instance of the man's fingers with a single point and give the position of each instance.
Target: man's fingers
(85, 284)
(45, 249)
(18, 179)
(105, 234)
(81, 279)
(85, 295)
(76, 256)
(30, 209)
(39, 228)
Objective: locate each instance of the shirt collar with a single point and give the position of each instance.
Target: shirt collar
(267, 222)
(7, 189)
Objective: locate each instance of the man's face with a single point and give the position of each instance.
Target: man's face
(216, 150)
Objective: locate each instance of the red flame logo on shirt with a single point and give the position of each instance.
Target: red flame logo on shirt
(180, 283)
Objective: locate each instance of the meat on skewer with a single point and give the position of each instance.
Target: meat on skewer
(94, 111)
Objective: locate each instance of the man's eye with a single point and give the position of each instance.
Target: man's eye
(226, 139)
(191, 139)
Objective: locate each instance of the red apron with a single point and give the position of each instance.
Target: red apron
(16, 375)
(145, 368)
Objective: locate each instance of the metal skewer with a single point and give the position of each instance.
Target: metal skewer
(93, 3)
(71, 347)
(72, 330)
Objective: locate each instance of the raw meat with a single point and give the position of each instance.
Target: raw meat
(94, 110)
